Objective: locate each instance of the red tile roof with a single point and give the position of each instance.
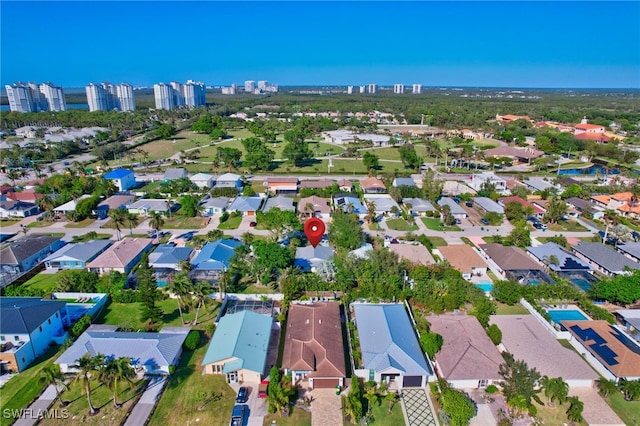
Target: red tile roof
(523, 202)
(598, 137)
(587, 126)
(24, 196)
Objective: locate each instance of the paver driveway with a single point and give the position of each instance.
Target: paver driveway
(415, 403)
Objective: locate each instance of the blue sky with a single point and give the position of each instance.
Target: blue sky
(506, 44)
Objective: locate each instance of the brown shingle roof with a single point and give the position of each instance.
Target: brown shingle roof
(467, 352)
(510, 258)
(322, 183)
(462, 257)
(121, 253)
(314, 340)
(319, 204)
(372, 183)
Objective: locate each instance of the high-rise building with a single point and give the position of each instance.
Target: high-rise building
(178, 94)
(398, 88)
(54, 95)
(349, 90)
(96, 97)
(262, 85)
(417, 89)
(362, 89)
(163, 94)
(20, 99)
(126, 101)
(372, 88)
(194, 94)
(40, 101)
(249, 86)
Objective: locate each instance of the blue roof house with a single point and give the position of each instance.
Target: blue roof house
(213, 259)
(123, 179)
(389, 345)
(76, 256)
(239, 347)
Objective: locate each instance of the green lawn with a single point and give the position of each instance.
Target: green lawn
(383, 418)
(182, 222)
(567, 226)
(556, 415)
(438, 241)
(22, 389)
(231, 223)
(181, 402)
(46, 282)
(504, 309)
(297, 417)
(165, 148)
(102, 398)
(87, 237)
(82, 224)
(628, 411)
(435, 225)
(40, 224)
(401, 225)
(258, 289)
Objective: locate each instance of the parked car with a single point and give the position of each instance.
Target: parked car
(469, 203)
(539, 225)
(243, 395)
(458, 222)
(262, 389)
(238, 415)
(253, 224)
(484, 221)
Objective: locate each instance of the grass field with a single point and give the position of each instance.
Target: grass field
(178, 221)
(46, 282)
(401, 225)
(567, 226)
(435, 225)
(102, 398)
(556, 415)
(231, 223)
(82, 224)
(383, 418)
(297, 417)
(258, 289)
(504, 309)
(18, 392)
(181, 402)
(438, 241)
(628, 411)
(165, 148)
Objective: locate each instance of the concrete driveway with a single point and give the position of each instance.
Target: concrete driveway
(257, 406)
(326, 408)
(147, 402)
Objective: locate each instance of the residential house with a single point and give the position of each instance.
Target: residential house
(317, 184)
(313, 347)
(604, 259)
(528, 340)
(121, 256)
(214, 205)
(585, 127)
(114, 202)
(70, 206)
(468, 359)
(454, 208)
(229, 180)
(248, 206)
(418, 206)
(477, 180)
(514, 264)
(26, 196)
(580, 206)
(147, 206)
(539, 184)
(239, 347)
(522, 155)
(28, 328)
(150, 353)
(403, 182)
(280, 202)
(414, 253)
(17, 209)
(510, 118)
(213, 258)
(488, 205)
(345, 185)
(166, 260)
(349, 203)
(174, 173)
(630, 250)
(339, 137)
(314, 207)
(615, 351)
(389, 346)
(282, 185)
(465, 259)
(76, 256)
(557, 258)
(202, 180)
(535, 209)
(312, 259)
(123, 179)
(372, 185)
(630, 319)
(383, 204)
(26, 253)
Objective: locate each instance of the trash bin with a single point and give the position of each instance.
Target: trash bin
(338, 389)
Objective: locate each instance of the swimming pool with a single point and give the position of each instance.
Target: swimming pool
(566, 315)
(583, 284)
(486, 287)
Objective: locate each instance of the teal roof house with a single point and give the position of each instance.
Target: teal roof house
(239, 347)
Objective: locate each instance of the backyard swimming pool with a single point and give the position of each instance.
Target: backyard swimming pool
(486, 287)
(566, 315)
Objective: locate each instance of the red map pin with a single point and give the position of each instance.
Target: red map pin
(314, 230)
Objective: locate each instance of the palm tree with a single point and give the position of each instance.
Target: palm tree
(86, 366)
(200, 295)
(114, 370)
(630, 389)
(13, 175)
(605, 387)
(185, 266)
(118, 218)
(46, 205)
(247, 238)
(371, 394)
(51, 375)
(131, 220)
(555, 389)
(371, 213)
(156, 222)
(574, 412)
(612, 219)
(308, 209)
(215, 235)
(180, 286)
(392, 399)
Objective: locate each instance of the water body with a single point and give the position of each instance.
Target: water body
(69, 106)
(589, 171)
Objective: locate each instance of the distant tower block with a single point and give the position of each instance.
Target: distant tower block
(417, 89)
(349, 90)
(398, 88)
(372, 88)
(362, 89)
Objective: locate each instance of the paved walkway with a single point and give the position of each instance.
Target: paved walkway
(596, 410)
(417, 408)
(30, 415)
(326, 408)
(147, 402)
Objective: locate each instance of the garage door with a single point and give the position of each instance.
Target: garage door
(251, 213)
(325, 383)
(412, 382)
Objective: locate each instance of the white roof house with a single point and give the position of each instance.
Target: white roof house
(202, 180)
(146, 206)
(70, 206)
(488, 205)
(382, 202)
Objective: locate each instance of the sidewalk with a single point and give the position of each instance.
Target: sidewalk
(31, 414)
(147, 402)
